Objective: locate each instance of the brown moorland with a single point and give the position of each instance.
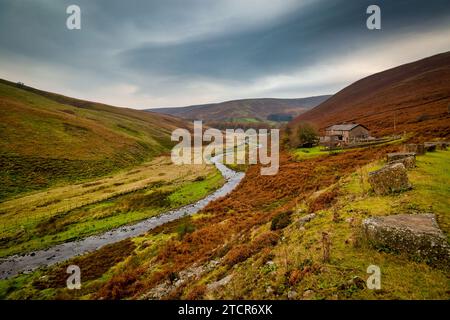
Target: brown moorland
(224, 230)
(416, 96)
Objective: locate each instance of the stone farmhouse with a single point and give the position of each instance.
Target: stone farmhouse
(347, 133)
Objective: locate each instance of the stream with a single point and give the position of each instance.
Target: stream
(13, 265)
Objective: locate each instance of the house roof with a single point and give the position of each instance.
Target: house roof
(344, 127)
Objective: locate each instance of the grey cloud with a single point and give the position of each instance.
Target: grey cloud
(168, 50)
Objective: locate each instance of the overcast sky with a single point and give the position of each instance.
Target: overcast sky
(158, 53)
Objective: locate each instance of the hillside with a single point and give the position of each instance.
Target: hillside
(48, 138)
(247, 110)
(416, 96)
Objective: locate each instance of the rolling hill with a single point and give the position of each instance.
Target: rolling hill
(48, 138)
(414, 96)
(246, 110)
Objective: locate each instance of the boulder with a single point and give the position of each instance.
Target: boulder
(417, 235)
(303, 220)
(389, 179)
(440, 145)
(408, 159)
(292, 295)
(408, 162)
(399, 156)
(219, 284)
(415, 148)
(430, 146)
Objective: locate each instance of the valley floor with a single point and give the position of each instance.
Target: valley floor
(56, 215)
(265, 241)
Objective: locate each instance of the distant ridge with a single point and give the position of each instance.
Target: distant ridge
(245, 110)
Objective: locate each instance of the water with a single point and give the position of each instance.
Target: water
(13, 265)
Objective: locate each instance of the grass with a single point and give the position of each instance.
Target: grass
(48, 141)
(308, 153)
(267, 264)
(65, 213)
(297, 260)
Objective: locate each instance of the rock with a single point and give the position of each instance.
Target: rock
(214, 286)
(442, 145)
(399, 156)
(292, 295)
(391, 178)
(418, 149)
(430, 146)
(308, 295)
(408, 159)
(408, 162)
(417, 235)
(350, 220)
(305, 219)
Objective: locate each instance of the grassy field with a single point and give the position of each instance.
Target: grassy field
(307, 153)
(59, 214)
(266, 262)
(316, 151)
(296, 261)
(48, 139)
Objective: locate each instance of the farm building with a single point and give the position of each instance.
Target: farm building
(346, 133)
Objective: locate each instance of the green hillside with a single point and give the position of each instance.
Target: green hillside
(48, 138)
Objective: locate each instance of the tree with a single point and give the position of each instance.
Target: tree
(305, 136)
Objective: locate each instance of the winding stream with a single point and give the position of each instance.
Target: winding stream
(13, 265)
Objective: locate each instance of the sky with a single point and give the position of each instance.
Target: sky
(166, 53)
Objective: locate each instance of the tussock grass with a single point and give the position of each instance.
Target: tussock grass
(65, 213)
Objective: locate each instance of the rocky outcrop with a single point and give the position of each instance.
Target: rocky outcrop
(217, 285)
(418, 149)
(303, 220)
(189, 274)
(417, 235)
(389, 179)
(408, 159)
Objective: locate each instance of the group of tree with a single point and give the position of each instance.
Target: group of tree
(301, 135)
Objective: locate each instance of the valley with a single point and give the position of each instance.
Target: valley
(140, 227)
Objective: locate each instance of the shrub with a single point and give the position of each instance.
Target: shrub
(196, 293)
(138, 201)
(184, 229)
(323, 201)
(238, 254)
(295, 276)
(120, 286)
(281, 220)
(304, 135)
(265, 239)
